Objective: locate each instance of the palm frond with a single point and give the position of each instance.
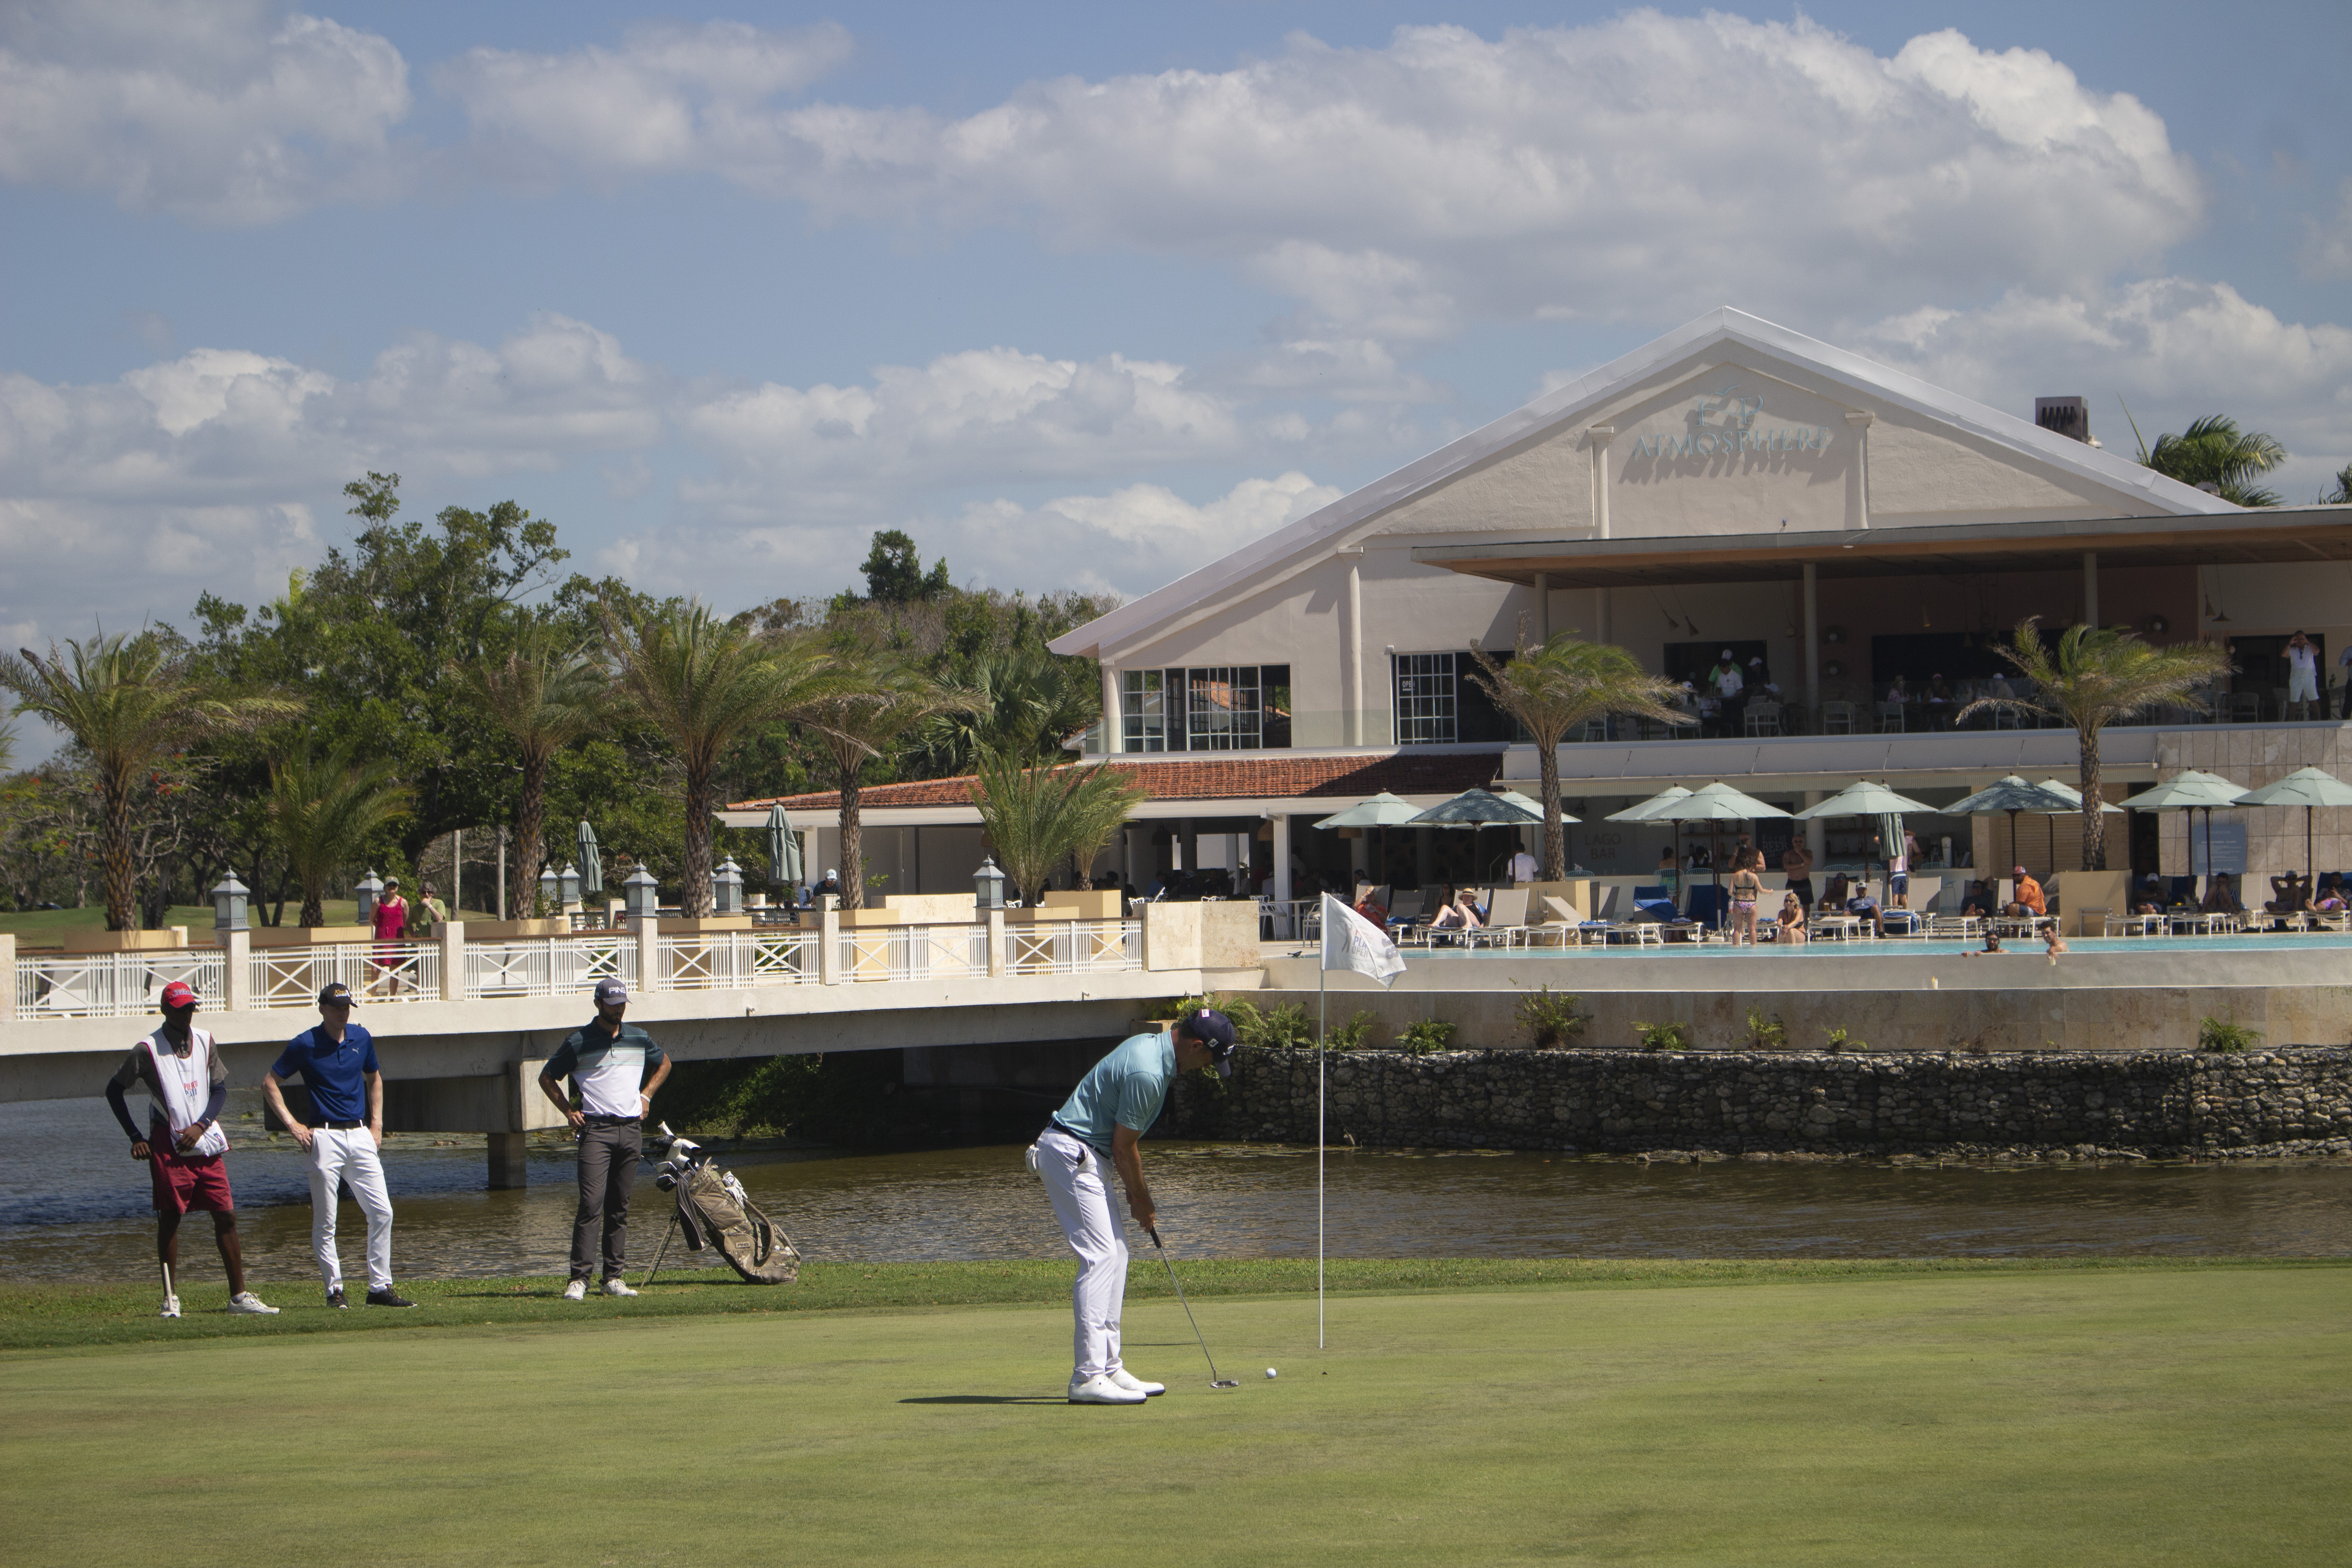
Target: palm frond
(1038, 817)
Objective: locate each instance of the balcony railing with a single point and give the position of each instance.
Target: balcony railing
(1074, 947)
(114, 984)
(375, 972)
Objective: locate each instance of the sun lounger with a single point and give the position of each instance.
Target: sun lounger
(1507, 918)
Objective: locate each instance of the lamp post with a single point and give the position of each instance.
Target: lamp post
(642, 895)
(229, 904)
(568, 889)
(727, 887)
(551, 888)
(988, 885)
(370, 888)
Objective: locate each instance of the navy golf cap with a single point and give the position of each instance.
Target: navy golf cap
(337, 995)
(1214, 1030)
(611, 993)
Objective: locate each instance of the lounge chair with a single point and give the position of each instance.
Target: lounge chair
(1507, 918)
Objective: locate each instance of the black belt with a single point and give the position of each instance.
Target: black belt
(1066, 1131)
(613, 1121)
(344, 1126)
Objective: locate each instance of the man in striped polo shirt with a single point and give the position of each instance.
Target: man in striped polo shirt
(616, 1068)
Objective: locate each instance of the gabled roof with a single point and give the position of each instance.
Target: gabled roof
(1320, 531)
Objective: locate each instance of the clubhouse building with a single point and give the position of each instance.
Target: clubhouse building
(1831, 523)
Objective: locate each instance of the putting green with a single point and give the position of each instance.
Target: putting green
(2143, 1416)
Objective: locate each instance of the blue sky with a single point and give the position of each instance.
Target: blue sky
(1078, 295)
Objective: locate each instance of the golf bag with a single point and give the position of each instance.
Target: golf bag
(714, 1211)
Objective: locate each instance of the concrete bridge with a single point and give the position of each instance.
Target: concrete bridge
(463, 1028)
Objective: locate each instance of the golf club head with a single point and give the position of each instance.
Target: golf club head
(1223, 1382)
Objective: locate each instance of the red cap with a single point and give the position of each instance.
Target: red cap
(179, 994)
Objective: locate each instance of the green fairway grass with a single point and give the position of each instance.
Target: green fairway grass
(2152, 1414)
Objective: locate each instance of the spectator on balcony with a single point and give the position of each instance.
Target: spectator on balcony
(391, 922)
(429, 914)
(1729, 686)
(1898, 693)
(2027, 899)
(1942, 700)
(832, 884)
(2301, 675)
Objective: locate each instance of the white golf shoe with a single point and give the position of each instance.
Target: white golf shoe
(1134, 1385)
(246, 1304)
(171, 1307)
(617, 1286)
(1100, 1390)
(576, 1291)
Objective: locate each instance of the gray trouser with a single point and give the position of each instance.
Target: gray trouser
(609, 1152)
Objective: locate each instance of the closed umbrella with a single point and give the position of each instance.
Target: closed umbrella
(1475, 809)
(2073, 796)
(1382, 811)
(1715, 804)
(592, 862)
(785, 869)
(2191, 790)
(2309, 788)
(2012, 794)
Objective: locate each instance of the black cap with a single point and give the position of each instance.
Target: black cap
(1214, 1030)
(336, 994)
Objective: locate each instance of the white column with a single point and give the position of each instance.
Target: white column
(1351, 669)
(1543, 607)
(996, 944)
(1600, 436)
(828, 950)
(1110, 693)
(236, 971)
(2090, 587)
(649, 974)
(1282, 885)
(453, 960)
(1812, 635)
(1860, 425)
(1817, 840)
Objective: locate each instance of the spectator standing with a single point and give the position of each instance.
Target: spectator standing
(1747, 890)
(337, 1061)
(617, 1069)
(183, 1147)
(832, 884)
(2301, 675)
(428, 915)
(391, 922)
(1729, 684)
(2344, 666)
(1523, 867)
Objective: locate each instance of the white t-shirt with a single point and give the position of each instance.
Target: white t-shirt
(2303, 661)
(1523, 867)
(1728, 681)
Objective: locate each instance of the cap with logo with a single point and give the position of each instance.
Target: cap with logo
(335, 995)
(178, 995)
(1214, 1030)
(611, 993)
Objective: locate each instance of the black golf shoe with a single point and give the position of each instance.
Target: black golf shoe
(335, 1299)
(388, 1297)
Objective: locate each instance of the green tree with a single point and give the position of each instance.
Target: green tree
(1553, 690)
(545, 693)
(874, 706)
(128, 700)
(1025, 702)
(2342, 494)
(893, 571)
(700, 681)
(1038, 817)
(2095, 677)
(2214, 451)
(322, 808)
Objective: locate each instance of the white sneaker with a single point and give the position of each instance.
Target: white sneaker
(617, 1286)
(246, 1304)
(1100, 1390)
(171, 1307)
(576, 1291)
(1134, 1385)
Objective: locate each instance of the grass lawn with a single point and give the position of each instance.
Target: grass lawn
(1464, 1414)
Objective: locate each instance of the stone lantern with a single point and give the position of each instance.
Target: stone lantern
(727, 887)
(229, 904)
(988, 885)
(641, 895)
(567, 888)
(551, 888)
(370, 889)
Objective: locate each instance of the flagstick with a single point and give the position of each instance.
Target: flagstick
(1322, 1027)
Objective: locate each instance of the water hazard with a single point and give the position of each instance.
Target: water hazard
(72, 1205)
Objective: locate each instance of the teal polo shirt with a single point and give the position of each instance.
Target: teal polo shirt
(1126, 1089)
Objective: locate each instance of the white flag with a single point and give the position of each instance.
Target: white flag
(1351, 942)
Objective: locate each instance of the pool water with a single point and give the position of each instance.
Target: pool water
(1919, 947)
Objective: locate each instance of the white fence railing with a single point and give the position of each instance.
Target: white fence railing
(114, 984)
(1074, 947)
(715, 960)
(913, 953)
(566, 966)
(376, 972)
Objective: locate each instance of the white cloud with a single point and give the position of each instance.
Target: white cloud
(2326, 250)
(220, 111)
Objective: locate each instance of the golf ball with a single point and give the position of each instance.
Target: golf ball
(1269, 1372)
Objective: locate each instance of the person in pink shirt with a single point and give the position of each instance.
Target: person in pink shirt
(390, 929)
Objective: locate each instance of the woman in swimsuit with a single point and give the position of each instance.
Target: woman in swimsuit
(1792, 919)
(1746, 887)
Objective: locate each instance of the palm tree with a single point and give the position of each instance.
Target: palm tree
(2214, 451)
(2095, 676)
(127, 700)
(877, 704)
(2342, 494)
(1552, 690)
(322, 810)
(701, 681)
(1036, 817)
(546, 693)
(1023, 701)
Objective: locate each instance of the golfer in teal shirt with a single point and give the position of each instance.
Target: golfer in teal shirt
(1098, 1127)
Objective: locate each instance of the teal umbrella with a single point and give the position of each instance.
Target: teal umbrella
(784, 850)
(592, 862)
(2012, 794)
(1382, 811)
(1475, 809)
(2191, 790)
(2306, 787)
(2073, 799)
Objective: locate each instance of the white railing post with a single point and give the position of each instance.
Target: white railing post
(8, 972)
(996, 944)
(453, 961)
(828, 949)
(236, 971)
(649, 974)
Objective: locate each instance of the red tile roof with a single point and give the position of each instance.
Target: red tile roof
(1238, 778)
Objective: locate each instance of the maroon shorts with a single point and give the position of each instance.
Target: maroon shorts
(183, 1184)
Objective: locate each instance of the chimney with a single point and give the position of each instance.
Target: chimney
(2068, 417)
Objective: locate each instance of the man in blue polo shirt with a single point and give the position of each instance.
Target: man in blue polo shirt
(337, 1061)
(1099, 1127)
(617, 1067)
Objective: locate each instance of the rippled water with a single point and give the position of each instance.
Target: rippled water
(73, 1204)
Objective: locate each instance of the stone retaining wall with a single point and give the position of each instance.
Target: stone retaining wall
(2148, 1103)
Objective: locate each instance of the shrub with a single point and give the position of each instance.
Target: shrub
(1355, 1034)
(1841, 1041)
(1552, 1021)
(1428, 1035)
(1286, 1028)
(2230, 1036)
(1664, 1036)
(1767, 1033)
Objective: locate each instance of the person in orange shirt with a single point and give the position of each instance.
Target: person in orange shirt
(2029, 900)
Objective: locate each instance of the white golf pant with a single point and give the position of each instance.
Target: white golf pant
(1079, 1181)
(348, 1155)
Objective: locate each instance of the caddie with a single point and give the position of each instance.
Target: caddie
(337, 1061)
(617, 1067)
(1098, 1128)
(184, 1146)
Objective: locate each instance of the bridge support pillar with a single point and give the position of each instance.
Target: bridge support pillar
(509, 1161)
(236, 971)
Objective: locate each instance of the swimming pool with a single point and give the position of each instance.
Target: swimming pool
(1913, 947)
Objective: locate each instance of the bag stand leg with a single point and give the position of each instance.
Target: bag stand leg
(661, 1251)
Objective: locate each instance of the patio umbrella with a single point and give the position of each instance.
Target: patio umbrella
(1475, 809)
(1715, 804)
(2069, 793)
(2191, 789)
(592, 862)
(785, 868)
(1642, 811)
(1533, 807)
(2306, 787)
(1382, 811)
(2012, 794)
(1868, 798)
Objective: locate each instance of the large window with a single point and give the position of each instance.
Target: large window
(1143, 711)
(1209, 708)
(1425, 712)
(1222, 711)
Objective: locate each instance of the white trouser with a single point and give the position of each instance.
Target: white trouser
(349, 1156)
(1079, 1181)
(2303, 686)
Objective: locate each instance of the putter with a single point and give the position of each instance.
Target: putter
(1214, 1380)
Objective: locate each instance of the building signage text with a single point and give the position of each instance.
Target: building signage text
(1735, 432)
